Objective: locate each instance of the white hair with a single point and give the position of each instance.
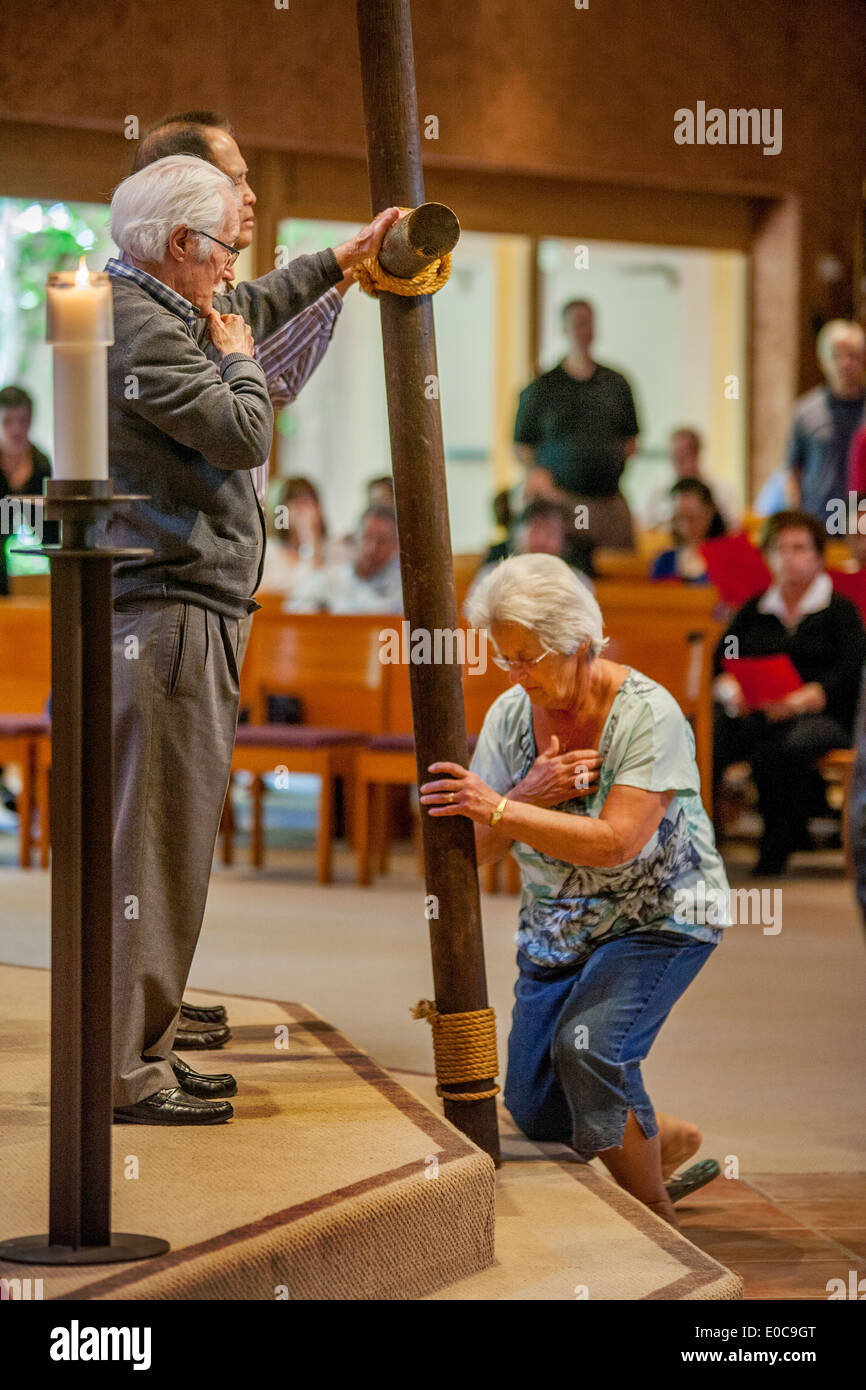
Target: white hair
(836, 331)
(178, 191)
(543, 594)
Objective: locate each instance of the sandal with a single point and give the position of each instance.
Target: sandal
(693, 1178)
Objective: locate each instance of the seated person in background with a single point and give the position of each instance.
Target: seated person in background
(773, 496)
(369, 582)
(299, 542)
(380, 491)
(22, 470)
(23, 467)
(696, 519)
(850, 578)
(544, 528)
(821, 633)
(501, 547)
(380, 494)
(685, 455)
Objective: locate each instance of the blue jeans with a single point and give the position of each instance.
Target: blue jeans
(580, 1032)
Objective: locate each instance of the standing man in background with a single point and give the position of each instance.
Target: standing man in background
(576, 427)
(826, 419)
(684, 451)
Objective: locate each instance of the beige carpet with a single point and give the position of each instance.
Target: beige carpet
(318, 1189)
(334, 1182)
(765, 1052)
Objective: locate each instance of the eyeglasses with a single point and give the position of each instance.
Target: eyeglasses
(234, 251)
(505, 665)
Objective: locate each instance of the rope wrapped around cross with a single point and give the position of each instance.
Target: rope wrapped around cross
(464, 1049)
(374, 279)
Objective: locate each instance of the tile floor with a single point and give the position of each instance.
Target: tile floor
(787, 1234)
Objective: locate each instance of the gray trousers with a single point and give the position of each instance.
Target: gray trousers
(175, 698)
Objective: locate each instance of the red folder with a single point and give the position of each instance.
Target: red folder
(736, 567)
(852, 586)
(763, 678)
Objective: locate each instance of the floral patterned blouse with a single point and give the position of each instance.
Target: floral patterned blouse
(567, 910)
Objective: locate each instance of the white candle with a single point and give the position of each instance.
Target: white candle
(80, 328)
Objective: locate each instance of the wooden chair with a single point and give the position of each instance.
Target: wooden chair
(465, 569)
(621, 564)
(25, 731)
(30, 585)
(21, 738)
(389, 759)
(837, 767)
(331, 663)
(669, 632)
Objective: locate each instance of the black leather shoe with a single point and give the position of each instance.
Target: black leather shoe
(195, 1083)
(212, 1013)
(172, 1106)
(195, 1037)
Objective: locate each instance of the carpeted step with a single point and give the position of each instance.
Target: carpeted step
(332, 1182)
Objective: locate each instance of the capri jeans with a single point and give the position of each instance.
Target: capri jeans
(580, 1032)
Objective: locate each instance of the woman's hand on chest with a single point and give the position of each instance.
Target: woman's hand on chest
(556, 777)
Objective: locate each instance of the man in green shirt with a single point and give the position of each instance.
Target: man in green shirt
(576, 426)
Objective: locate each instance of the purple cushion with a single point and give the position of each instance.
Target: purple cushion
(293, 736)
(403, 743)
(391, 743)
(24, 725)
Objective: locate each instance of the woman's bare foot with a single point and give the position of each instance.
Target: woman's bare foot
(665, 1210)
(679, 1142)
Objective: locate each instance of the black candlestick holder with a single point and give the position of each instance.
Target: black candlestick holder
(81, 889)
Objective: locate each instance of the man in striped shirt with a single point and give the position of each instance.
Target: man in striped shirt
(291, 355)
(288, 357)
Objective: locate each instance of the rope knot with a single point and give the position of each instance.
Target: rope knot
(375, 280)
(464, 1049)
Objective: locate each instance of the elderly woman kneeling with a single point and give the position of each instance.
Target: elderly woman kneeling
(605, 946)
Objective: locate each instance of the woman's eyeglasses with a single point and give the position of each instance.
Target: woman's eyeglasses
(234, 251)
(505, 665)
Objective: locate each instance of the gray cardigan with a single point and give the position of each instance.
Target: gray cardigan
(188, 429)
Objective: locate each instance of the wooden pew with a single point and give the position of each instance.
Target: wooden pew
(389, 760)
(25, 684)
(669, 632)
(331, 663)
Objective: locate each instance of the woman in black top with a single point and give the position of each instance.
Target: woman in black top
(22, 466)
(822, 633)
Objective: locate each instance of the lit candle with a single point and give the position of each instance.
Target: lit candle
(80, 328)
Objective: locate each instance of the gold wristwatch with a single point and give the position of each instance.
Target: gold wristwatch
(498, 813)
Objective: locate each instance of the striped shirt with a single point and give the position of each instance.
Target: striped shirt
(288, 357)
(291, 355)
(162, 293)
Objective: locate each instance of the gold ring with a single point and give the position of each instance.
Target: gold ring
(450, 796)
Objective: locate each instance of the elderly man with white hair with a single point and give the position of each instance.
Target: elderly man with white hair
(585, 769)
(188, 431)
(826, 419)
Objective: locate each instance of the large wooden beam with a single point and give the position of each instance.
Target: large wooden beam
(411, 377)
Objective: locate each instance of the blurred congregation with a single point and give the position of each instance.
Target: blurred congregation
(658, 378)
(783, 573)
(540, 354)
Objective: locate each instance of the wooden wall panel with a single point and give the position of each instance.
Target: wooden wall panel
(552, 120)
(538, 92)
